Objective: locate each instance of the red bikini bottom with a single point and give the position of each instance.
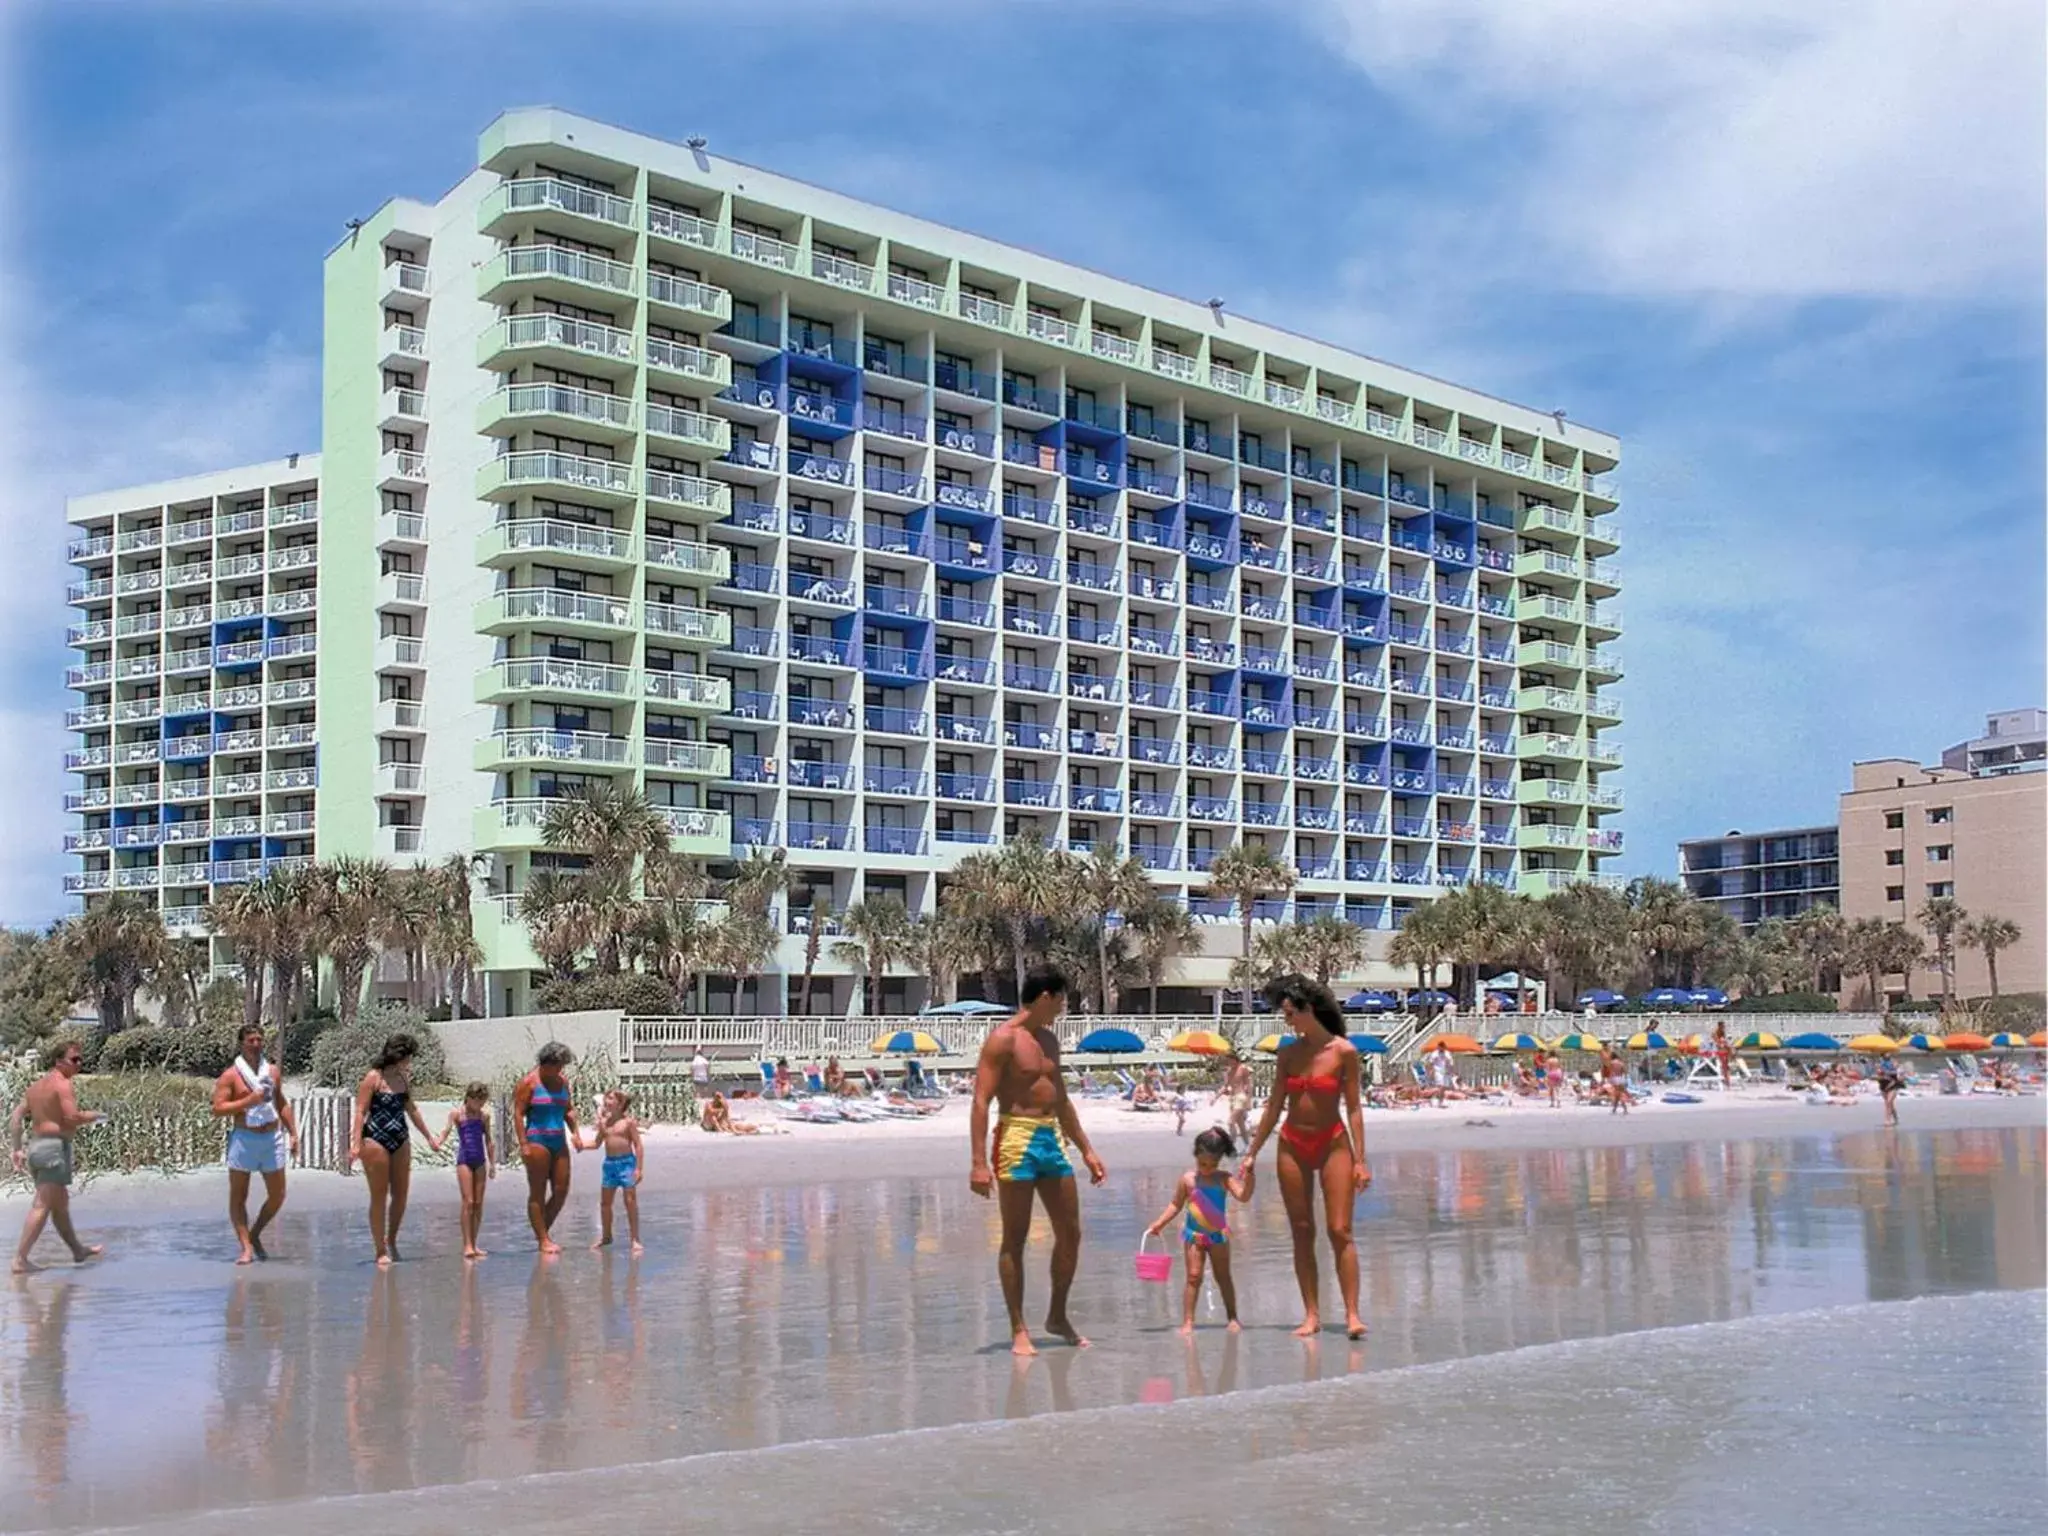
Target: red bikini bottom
(1312, 1148)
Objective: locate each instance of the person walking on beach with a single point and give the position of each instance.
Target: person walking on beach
(1205, 1194)
(1724, 1058)
(1888, 1085)
(1554, 1077)
(50, 1113)
(382, 1141)
(475, 1161)
(625, 1165)
(1237, 1088)
(1315, 1083)
(263, 1137)
(1441, 1074)
(1614, 1076)
(545, 1121)
(1020, 1070)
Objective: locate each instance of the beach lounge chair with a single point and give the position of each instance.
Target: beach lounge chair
(814, 1079)
(768, 1079)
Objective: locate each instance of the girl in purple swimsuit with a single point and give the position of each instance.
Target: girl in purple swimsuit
(474, 1165)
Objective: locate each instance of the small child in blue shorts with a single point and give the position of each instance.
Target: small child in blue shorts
(625, 1164)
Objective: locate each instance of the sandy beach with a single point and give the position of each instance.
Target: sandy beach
(935, 1147)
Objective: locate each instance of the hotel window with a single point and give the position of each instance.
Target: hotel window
(1894, 819)
(1941, 888)
(1940, 853)
(1895, 893)
(1895, 855)
(1940, 815)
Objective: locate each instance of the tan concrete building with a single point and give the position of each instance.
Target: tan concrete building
(1909, 833)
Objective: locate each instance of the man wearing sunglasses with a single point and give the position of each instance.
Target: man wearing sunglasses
(51, 1114)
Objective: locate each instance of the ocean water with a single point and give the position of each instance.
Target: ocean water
(1798, 1335)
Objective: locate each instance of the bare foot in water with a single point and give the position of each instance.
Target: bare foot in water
(602, 1242)
(1021, 1345)
(87, 1253)
(1234, 1326)
(26, 1267)
(471, 1253)
(637, 1249)
(256, 1247)
(1354, 1328)
(246, 1256)
(1187, 1329)
(550, 1249)
(1310, 1329)
(383, 1261)
(1060, 1328)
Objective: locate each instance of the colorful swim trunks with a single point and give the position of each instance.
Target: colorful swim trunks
(619, 1172)
(1030, 1147)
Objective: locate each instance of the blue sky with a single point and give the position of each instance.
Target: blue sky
(1790, 253)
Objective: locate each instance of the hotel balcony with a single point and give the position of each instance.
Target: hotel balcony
(556, 272)
(603, 481)
(1549, 792)
(395, 589)
(398, 717)
(689, 690)
(560, 543)
(710, 499)
(553, 608)
(538, 677)
(580, 346)
(690, 364)
(587, 212)
(1550, 835)
(581, 413)
(586, 750)
(673, 754)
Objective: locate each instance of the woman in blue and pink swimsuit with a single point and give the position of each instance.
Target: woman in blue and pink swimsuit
(545, 1119)
(1322, 1141)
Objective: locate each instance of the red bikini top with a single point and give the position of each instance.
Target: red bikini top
(1325, 1084)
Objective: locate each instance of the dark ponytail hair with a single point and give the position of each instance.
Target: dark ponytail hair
(1216, 1142)
(1311, 998)
(397, 1048)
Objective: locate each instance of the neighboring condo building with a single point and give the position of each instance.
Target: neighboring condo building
(1911, 833)
(2014, 741)
(843, 532)
(1757, 875)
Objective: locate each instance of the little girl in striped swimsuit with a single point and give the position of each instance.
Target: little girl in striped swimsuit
(1205, 1194)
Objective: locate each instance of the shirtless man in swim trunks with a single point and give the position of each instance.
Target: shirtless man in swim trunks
(1020, 1069)
(263, 1137)
(51, 1113)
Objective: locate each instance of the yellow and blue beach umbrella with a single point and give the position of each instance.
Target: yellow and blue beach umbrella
(1271, 1043)
(1925, 1043)
(1578, 1042)
(905, 1042)
(1514, 1041)
(2006, 1040)
(1648, 1040)
(1199, 1042)
(1759, 1040)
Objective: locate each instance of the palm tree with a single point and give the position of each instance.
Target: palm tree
(1673, 928)
(1010, 896)
(1482, 928)
(814, 936)
(1248, 873)
(672, 933)
(241, 915)
(1876, 948)
(118, 944)
(451, 947)
(1767, 960)
(1326, 947)
(1820, 936)
(180, 980)
(740, 945)
(937, 947)
(1160, 932)
(558, 918)
(351, 902)
(1106, 884)
(1991, 933)
(410, 913)
(1587, 936)
(1943, 917)
(1422, 943)
(615, 832)
(877, 937)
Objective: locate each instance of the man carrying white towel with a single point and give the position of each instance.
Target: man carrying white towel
(263, 1137)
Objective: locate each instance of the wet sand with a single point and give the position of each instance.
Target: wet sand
(854, 1299)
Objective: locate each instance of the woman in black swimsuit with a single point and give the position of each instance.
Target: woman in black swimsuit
(382, 1141)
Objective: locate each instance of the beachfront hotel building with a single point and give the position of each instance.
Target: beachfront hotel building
(1757, 875)
(843, 532)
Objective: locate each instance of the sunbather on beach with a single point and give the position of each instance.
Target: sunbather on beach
(717, 1117)
(1020, 1070)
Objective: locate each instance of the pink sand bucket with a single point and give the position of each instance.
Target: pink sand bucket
(1154, 1268)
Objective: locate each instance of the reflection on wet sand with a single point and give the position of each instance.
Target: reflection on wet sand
(791, 1313)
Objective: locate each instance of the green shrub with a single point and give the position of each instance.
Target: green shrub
(342, 1054)
(2023, 1013)
(630, 993)
(145, 1048)
(1787, 1002)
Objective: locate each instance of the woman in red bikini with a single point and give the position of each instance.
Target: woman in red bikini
(1322, 1141)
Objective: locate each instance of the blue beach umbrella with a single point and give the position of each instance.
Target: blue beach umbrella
(1600, 997)
(1708, 997)
(905, 1042)
(967, 1008)
(1514, 1041)
(1666, 997)
(1110, 1042)
(1648, 1040)
(1431, 998)
(1813, 1040)
(1370, 1045)
(1371, 1002)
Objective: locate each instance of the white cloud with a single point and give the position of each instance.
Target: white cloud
(1873, 147)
